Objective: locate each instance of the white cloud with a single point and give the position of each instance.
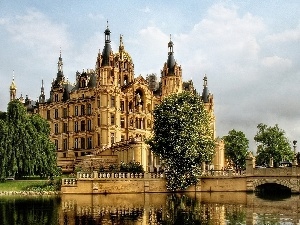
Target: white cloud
(285, 36)
(145, 10)
(97, 17)
(276, 61)
(34, 30)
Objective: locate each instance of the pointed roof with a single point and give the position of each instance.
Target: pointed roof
(13, 86)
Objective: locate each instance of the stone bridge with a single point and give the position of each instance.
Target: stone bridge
(288, 177)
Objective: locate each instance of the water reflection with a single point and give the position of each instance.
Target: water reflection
(29, 210)
(164, 209)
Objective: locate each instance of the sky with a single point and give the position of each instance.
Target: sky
(249, 50)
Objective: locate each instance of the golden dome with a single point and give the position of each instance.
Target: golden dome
(13, 86)
(123, 55)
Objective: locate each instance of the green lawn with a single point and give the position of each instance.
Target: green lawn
(24, 185)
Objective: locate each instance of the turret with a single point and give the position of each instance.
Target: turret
(107, 48)
(171, 75)
(205, 92)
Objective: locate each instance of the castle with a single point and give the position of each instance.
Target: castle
(108, 111)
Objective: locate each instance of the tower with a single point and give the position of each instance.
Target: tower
(171, 75)
(57, 89)
(13, 89)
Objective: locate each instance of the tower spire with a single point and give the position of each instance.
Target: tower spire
(205, 92)
(171, 60)
(107, 48)
(42, 95)
(60, 73)
(13, 88)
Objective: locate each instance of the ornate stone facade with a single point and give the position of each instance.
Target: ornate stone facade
(108, 111)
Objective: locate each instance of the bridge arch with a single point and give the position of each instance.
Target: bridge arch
(282, 184)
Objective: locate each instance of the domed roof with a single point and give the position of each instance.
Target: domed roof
(123, 55)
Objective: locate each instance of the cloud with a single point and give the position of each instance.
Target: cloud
(285, 36)
(248, 76)
(34, 30)
(145, 10)
(276, 61)
(97, 17)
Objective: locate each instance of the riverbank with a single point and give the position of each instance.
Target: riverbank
(29, 187)
(29, 193)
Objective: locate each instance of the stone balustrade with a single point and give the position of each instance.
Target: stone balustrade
(222, 173)
(117, 175)
(69, 181)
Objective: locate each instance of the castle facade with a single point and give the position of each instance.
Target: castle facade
(108, 111)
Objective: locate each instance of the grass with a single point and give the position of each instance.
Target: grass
(19, 185)
(28, 185)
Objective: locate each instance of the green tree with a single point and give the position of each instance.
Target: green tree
(28, 149)
(236, 148)
(3, 147)
(272, 143)
(182, 138)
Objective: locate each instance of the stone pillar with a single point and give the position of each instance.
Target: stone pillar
(250, 164)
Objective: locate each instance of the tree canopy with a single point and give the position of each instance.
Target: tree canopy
(272, 143)
(182, 138)
(236, 148)
(25, 146)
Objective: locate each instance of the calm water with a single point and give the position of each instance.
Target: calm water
(191, 208)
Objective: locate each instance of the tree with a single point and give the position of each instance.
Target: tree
(272, 143)
(182, 138)
(27, 147)
(236, 148)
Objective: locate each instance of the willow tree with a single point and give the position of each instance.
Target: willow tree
(29, 150)
(182, 138)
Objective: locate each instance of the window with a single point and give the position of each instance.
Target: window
(98, 102)
(56, 113)
(56, 128)
(48, 115)
(82, 141)
(65, 144)
(56, 97)
(76, 126)
(112, 101)
(56, 144)
(122, 138)
(122, 106)
(82, 125)
(89, 109)
(76, 143)
(122, 122)
(112, 138)
(65, 128)
(83, 83)
(89, 125)
(99, 120)
(82, 110)
(99, 139)
(65, 112)
(112, 119)
(76, 110)
(89, 142)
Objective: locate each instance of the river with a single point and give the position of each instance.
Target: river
(186, 208)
